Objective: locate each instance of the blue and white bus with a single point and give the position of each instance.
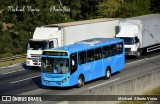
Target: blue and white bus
(82, 62)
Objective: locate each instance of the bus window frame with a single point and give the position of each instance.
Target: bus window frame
(75, 62)
(103, 54)
(110, 55)
(83, 59)
(99, 55)
(93, 56)
(119, 50)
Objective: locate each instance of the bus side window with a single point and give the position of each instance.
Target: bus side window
(90, 55)
(105, 51)
(73, 62)
(81, 58)
(98, 53)
(119, 48)
(112, 50)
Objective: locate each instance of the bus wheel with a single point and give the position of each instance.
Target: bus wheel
(108, 73)
(80, 82)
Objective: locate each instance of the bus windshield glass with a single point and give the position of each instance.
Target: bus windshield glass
(128, 41)
(55, 65)
(37, 45)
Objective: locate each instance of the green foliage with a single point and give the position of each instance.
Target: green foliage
(135, 8)
(155, 6)
(123, 8)
(108, 8)
(17, 27)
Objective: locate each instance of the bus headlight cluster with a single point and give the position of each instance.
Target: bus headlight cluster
(64, 80)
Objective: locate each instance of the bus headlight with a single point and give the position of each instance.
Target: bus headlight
(64, 80)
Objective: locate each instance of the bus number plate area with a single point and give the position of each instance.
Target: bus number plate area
(52, 83)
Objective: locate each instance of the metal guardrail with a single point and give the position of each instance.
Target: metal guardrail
(12, 58)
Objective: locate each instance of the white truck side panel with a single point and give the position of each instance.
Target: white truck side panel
(151, 31)
(148, 27)
(85, 31)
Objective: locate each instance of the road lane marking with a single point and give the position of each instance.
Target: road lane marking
(25, 79)
(13, 71)
(136, 61)
(143, 59)
(104, 83)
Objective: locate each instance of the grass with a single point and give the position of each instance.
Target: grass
(132, 102)
(155, 91)
(11, 62)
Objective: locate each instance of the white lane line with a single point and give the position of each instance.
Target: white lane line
(143, 59)
(24, 79)
(136, 61)
(13, 71)
(9, 66)
(104, 83)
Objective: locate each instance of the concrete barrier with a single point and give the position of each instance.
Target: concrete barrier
(133, 86)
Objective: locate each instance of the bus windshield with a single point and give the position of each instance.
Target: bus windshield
(55, 65)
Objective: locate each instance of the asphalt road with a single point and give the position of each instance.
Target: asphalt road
(23, 80)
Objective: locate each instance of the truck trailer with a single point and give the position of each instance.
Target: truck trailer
(140, 34)
(55, 35)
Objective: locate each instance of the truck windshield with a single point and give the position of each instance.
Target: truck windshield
(37, 45)
(55, 65)
(128, 40)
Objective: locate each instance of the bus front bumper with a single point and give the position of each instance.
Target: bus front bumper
(63, 83)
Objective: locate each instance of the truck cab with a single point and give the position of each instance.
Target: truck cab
(131, 36)
(132, 46)
(35, 48)
(43, 38)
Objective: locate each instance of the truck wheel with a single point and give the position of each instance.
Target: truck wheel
(80, 81)
(108, 73)
(138, 54)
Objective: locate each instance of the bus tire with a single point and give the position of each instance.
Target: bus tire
(108, 73)
(80, 81)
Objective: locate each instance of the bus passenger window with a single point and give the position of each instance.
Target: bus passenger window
(119, 48)
(81, 58)
(90, 55)
(112, 50)
(73, 62)
(98, 53)
(105, 51)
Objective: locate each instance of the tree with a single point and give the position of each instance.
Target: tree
(155, 6)
(108, 8)
(123, 8)
(23, 23)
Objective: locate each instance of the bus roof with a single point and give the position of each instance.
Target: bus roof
(86, 45)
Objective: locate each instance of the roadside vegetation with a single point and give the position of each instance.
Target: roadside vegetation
(19, 18)
(155, 91)
(12, 62)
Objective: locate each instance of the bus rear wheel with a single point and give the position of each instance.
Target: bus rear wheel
(108, 73)
(80, 81)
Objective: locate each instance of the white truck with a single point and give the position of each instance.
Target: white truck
(55, 35)
(140, 34)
